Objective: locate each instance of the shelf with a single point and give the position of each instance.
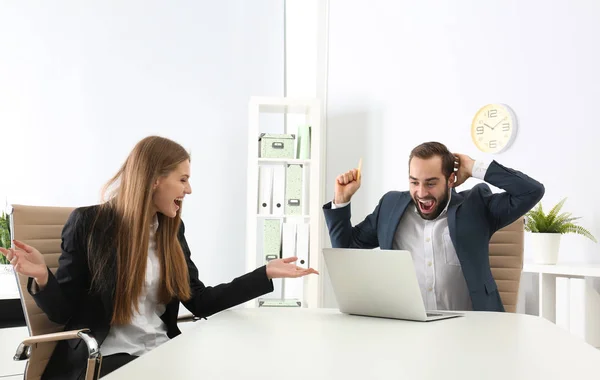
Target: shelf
(283, 161)
(282, 216)
(284, 105)
(565, 269)
(272, 302)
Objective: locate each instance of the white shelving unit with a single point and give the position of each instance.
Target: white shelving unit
(290, 113)
(567, 297)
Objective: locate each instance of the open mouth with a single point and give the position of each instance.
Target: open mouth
(426, 205)
(178, 202)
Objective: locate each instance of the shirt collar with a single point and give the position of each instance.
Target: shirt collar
(154, 224)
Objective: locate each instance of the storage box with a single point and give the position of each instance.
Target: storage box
(276, 146)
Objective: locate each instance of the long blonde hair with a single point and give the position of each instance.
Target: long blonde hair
(130, 204)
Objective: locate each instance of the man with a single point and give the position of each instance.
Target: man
(447, 232)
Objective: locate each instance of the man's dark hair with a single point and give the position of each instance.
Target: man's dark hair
(431, 149)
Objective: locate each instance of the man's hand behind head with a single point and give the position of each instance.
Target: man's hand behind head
(464, 168)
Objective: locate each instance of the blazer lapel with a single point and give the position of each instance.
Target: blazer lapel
(394, 219)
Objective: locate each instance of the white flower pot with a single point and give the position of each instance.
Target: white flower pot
(545, 247)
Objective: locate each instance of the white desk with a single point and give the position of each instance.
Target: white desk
(283, 344)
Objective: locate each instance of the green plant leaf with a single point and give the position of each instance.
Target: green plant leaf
(554, 222)
(554, 211)
(4, 235)
(572, 228)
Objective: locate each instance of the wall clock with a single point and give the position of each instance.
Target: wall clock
(494, 128)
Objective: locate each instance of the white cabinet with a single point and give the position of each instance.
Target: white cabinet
(285, 189)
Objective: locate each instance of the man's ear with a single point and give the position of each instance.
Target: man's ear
(451, 180)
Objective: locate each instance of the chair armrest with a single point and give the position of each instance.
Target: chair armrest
(24, 349)
(64, 335)
(187, 317)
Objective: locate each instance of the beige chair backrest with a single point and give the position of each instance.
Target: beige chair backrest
(40, 227)
(506, 262)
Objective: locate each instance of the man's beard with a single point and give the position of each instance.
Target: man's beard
(440, 204)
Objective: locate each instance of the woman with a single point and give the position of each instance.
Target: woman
(125, 266)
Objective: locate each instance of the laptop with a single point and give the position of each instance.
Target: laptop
(378, 283)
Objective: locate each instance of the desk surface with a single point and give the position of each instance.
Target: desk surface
(270, 343)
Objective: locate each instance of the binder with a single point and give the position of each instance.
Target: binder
(303, 145)
(302, 244)
(266, 250)
(288, 240)
(294, 287)
(277, 292)
(293, 189)
(271, 239)
(278, 200)
(265, 188)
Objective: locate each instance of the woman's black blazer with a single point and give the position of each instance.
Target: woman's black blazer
(67, 298)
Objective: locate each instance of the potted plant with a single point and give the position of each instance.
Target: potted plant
(10, 303)
(546, 230)
(4, 236)
(8, 284)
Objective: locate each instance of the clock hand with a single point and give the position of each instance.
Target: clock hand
(488, 126)
(499, 122)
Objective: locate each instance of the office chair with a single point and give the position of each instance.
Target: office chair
(41, 227)
(506, 262)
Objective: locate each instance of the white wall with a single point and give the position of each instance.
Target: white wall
(401, 73)
(82, 82)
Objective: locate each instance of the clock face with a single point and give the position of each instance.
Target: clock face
(494, 128)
